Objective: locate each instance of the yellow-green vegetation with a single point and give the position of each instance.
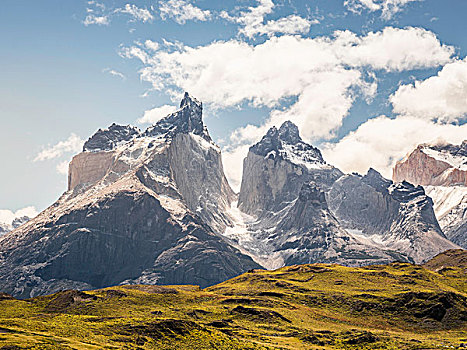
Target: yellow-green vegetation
(396, 306)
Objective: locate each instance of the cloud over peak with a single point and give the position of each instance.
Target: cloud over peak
(322, 77)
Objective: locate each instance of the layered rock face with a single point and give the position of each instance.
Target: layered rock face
(398, 216)
(442, 170)
(284, 217)
(276, 168)
(141, 208)
(434, 165)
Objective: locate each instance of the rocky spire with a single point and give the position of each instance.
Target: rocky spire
(288, 132)
(286, 143)
(377, 181)
(188, 119)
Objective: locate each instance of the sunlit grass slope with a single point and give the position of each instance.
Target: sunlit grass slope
(396, 306)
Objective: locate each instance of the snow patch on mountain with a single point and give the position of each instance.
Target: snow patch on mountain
(450, 207)
(303, 157)
(454, 160)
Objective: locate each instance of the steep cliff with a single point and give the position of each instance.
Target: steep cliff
(282, 215)
(141, 208)
(276, 168)
(435, 165)
(398, 216)
(442, 170)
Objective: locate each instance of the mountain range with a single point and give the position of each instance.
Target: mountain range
(154, 207)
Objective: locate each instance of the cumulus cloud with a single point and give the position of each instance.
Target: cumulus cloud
(181, 11)
(380, 142)
(252, 21)
(137, 14)
(100, 15)
(440, 97)
(321, 73)
(317, 79)
(151, 45)
(154, 115)
(388, 8)
(393, 49)
(7, 216)
(73, 144)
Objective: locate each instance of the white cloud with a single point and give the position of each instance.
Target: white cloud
(114, 73)
(292, 24)
(393, 49)
(138, 14)
(388, 8)
(321, 74)
(181, 11)
(152, 45)
(380, 142)
(233, 158)
(7, 216)
(134, 52)
(96, 14)
(96, 4)
(73, 144)
(154, 115)
(442, 97)
(99, 20)
(317, 79)
(62, 167)
(252, 21)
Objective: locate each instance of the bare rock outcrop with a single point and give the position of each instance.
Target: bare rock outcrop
(435, 165)
(442, 170)
(286, 218)
(398, 216)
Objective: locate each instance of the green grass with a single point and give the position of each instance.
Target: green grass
(396, 306)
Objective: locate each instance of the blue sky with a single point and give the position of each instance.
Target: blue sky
(365, 80)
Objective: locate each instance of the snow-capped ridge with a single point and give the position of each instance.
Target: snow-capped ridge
(187, 119)
(110, 138)
(285, 143)
(441, 168)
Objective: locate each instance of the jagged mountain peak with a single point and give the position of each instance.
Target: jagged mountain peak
(454, 150)
(441, 168)
(285, 143)
(288, 132)
(190, 102)
(374, 179)
(187, 119)
(108, 139)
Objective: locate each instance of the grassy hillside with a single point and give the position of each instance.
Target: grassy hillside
(396, 306)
